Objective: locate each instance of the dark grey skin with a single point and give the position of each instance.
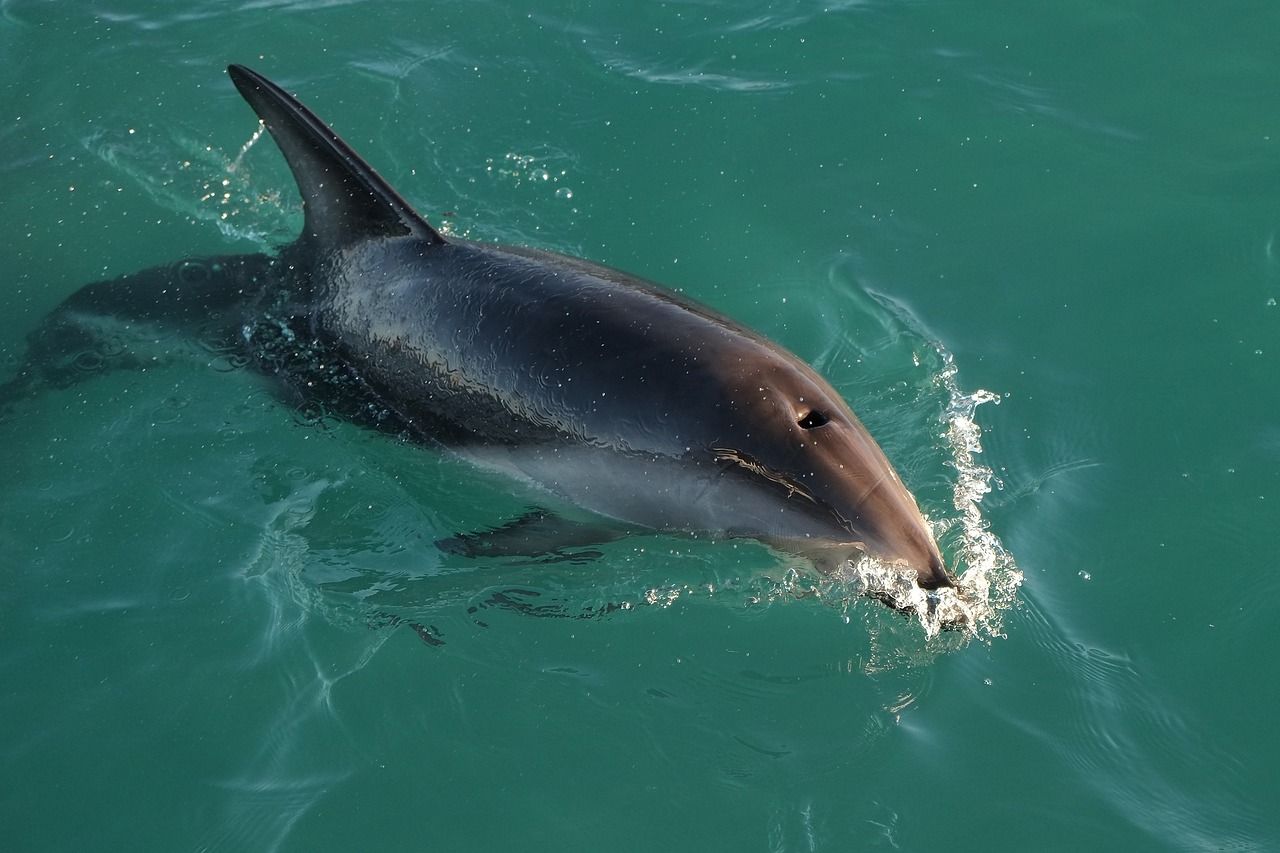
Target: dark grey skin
(624, 398)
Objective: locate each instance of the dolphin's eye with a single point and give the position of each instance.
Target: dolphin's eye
(812, 419)
(193, 272)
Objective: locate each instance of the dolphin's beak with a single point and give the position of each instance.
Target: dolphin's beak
(935, 574)
(855, 481)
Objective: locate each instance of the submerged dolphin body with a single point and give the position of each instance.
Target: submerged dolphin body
(627, 399)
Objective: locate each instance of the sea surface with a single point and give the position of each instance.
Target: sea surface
(1034, 245)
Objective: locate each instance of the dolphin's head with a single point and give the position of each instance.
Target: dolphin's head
(793, 432)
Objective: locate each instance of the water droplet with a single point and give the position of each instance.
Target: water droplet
(564, 192)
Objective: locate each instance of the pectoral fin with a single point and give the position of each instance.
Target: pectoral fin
(538, 535)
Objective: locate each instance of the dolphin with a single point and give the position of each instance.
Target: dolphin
(637, 404)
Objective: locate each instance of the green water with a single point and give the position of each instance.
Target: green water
(207, 604)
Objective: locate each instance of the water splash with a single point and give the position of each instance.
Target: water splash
(988, 579)
(203, 182)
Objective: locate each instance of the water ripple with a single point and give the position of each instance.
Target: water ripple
(1111, 717)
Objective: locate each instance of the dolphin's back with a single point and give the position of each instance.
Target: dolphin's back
(514, 348)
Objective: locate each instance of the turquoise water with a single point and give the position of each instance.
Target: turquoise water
(208, 602)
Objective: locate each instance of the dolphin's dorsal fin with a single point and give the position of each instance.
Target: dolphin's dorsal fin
(343, 199)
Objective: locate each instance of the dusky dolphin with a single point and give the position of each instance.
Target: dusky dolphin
(618, 395)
